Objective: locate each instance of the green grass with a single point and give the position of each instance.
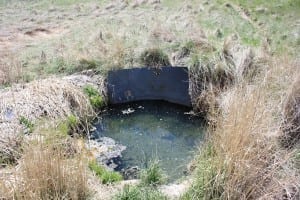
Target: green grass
(27, 123)
(204, 185)
(95, 99)
(147, 189)
(130, 192)
(152, 175)
(103, 174)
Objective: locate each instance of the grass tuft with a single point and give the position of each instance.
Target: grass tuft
(154, 58)
(45, 172)
(152, 175)
(27, 123)
(291, 125)
(104, 175)
(130, 192)
(95, 99)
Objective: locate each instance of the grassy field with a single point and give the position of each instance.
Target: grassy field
(244, 62)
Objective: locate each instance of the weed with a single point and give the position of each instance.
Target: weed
(139, 193)
(27, 123)
(152, 175)
(104, 175)
(95, 99)
(154, 58)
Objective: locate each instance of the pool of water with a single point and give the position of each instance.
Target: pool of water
(153, 130)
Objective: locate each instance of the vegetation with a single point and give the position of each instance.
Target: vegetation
(10, 151)
(240, 159)
(95, 99)
(130, 192)
(154, 58)
(27, 123)
(152, 175)
(244, 71)
(72, 121)
(291, 122)
(46, 172)
(104, 175)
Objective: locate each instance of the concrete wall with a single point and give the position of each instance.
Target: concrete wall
(167, 83)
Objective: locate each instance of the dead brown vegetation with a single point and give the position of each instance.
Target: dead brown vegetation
(46, 171)
(291, 114)
(10, 70)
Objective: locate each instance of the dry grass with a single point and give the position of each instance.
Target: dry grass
(10, 150)
(242, 159)
(10, 70)
(207, 80)
(51, 98)
(291, 126)
(47, 170)
(244, 155)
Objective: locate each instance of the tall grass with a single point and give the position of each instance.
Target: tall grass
(291, 125)
(47, 170)
(139, 193)
(242, 159)
(152, 175)
(10, 70)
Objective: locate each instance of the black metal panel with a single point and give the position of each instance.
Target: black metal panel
(166, 83)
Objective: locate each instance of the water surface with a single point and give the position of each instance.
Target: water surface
(153, 130)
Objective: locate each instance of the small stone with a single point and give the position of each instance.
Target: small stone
(261, 10)
(131, 173)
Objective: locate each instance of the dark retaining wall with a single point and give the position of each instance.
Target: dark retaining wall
(167, 83)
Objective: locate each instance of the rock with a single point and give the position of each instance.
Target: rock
(174, 191)
(261, 10)
(131, 173)
(106, 151)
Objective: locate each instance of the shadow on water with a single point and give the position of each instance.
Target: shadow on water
(153, 130)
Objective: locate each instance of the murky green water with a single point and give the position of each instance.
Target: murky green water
(155, 130)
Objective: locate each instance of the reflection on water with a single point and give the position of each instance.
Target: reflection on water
(153, 130)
